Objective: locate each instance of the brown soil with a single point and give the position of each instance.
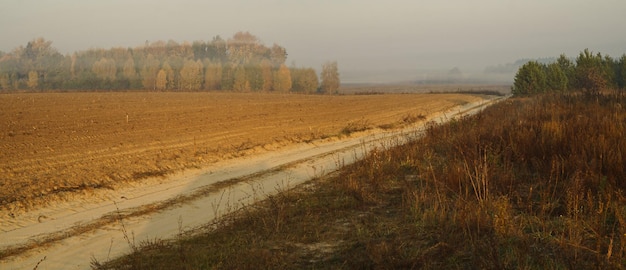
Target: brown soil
(61, 143)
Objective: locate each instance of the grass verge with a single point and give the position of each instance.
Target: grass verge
(528, 183)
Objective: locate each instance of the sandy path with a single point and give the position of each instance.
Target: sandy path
(86, 230)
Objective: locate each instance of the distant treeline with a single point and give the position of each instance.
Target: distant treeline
(589, 72)
(510, 68)
(241, 63)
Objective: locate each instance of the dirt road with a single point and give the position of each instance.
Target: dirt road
(69, 234)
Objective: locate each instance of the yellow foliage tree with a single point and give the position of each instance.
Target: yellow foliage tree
(33, 80)
(212, 76)
(169, 74)
(241, 81)
(105, 69)
(191, 75)
(330, 78)
(161, 80)
(282, 79)
(128, 70)
(149, 72)
(266, 75)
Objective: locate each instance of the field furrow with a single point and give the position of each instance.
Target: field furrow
(59, 143)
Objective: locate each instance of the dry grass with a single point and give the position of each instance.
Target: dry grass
(528, 183)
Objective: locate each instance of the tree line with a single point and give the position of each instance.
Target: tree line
(589, 72)
(241, 63)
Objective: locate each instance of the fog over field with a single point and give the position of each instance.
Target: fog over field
(373, 41)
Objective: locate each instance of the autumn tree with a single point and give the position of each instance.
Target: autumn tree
(228, 77)
(161, 80)
(33, 80)
(200, 50)
(149, 72)
(177, 64)
(41, 57)
(304, 80)
(241, 82)
(310, 83)
(5, 82)
(105, 69)
(73, 59)
(278, 55)
(212, 75)
(282, 79)
(296, 77)
(129, 72)
(218, 50)
(266, 75)
(9, 72)
(254, 76)
(330, 78)
(191, 75)
(122, 68)
(170, 75)
(242, 48)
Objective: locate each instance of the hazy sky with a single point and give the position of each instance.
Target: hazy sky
(359, 34)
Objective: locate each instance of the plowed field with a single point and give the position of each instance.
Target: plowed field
(55, 144)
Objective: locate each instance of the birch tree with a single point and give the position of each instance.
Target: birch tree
(161, 80)
(149, 72)
(33, 80)
(128, 70)
(241, 82)
(266, 74)
(105, 69)
(191, 75)
(212, 75)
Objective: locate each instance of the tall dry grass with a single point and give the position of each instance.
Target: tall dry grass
(535, 182)
(529, 183)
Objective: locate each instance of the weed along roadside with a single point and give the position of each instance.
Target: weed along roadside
(541, 189)
(175, 208)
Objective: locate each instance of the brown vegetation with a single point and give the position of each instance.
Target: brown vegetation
(529, 183)
(54, 144)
